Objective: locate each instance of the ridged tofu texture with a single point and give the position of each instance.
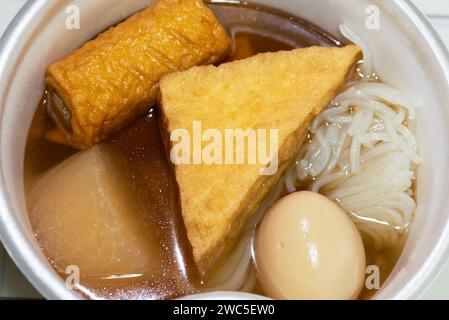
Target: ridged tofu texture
(284, 91)
(112, 79)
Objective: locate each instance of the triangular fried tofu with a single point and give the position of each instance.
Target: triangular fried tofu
(284, 91)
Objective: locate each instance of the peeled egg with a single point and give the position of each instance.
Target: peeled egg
(306, 247)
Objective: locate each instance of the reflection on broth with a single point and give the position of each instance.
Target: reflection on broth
(129, 235)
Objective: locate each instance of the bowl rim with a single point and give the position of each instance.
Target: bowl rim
(25, 258)
(10, 231)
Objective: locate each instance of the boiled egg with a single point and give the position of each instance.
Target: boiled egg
(306, 247)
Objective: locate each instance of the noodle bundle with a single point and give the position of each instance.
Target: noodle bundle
(362, 156)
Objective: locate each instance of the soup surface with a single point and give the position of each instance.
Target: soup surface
(254, 29)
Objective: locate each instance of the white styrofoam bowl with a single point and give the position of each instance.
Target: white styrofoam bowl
(407, 53)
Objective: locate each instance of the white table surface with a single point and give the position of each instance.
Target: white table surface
(13, 284)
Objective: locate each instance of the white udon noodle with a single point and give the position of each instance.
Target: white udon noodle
(361, 154)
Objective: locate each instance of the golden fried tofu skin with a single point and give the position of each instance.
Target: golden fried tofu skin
(112, 79)
(281, 91)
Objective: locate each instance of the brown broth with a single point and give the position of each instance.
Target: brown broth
(254, 29)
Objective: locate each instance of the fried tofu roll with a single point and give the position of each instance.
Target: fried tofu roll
(111, 80)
